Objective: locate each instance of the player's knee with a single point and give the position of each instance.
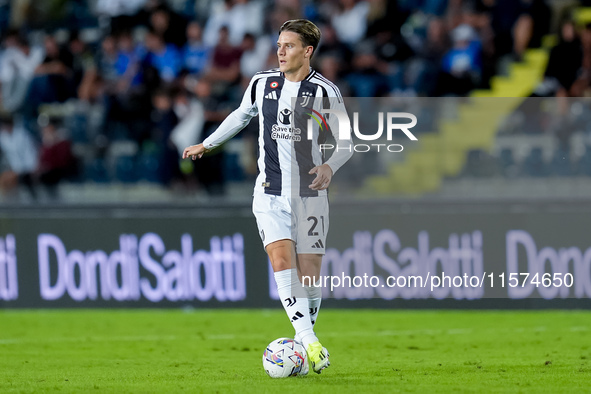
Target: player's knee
(280, 263)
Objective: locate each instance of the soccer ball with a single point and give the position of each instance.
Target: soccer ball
(284, 358)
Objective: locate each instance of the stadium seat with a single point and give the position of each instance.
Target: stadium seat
(96, 171)
(561, 164)
(506, 163)
(479, 164)
(534, 164)
(232, 167)
(126, 169)
(149, 168)
(77, 126)
(584, 163)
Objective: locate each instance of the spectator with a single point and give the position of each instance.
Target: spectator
(191, 115)
(583, 82)
(239, 16)
(476, 16)
(461, 65)
(126, 96)
(504, 15)
(517, 24)
(254, 55)
(391, 47)
(17, 69)
(169, 25)
(538, 16)
(58, 59)
(56, 161)
(331, 67)
(127, 65)
(120, 12)
(331, 46)
(384, 15)
(394, 56)
(196, 55)
(366, 79)
(437, 7)
(427, 62)
(82, 57)
(54, 79)
(209, 170)
(106, 60)
(163, 123)
(163, 57)
(20, 152)
(226, 61)
(350, 23)
(563, 65)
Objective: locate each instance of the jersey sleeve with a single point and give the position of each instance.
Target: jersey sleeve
(231, 126)
(237, 120)
(345, 145)
(249, 102)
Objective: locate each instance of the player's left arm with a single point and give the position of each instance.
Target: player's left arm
(340, 156)
(323, 177)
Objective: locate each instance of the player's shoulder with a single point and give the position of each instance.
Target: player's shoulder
(274, 72)
(330, 87)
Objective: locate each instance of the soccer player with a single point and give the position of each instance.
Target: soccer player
(290, 198)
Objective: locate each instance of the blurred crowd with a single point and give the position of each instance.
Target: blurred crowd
(113, 90)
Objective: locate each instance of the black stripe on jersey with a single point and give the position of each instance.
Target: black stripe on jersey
(269, 111)
(325, 104)
(303, 148)
(329, 83)
(324, 93)
(253, 91)
(332, 85)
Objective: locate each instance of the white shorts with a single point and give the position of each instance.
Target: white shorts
(304, 220)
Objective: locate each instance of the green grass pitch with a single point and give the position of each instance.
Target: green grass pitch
(162, 351)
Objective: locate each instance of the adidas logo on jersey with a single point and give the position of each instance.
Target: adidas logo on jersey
(272, 95)
(318, 245)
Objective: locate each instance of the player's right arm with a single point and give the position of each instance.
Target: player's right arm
(231, 126)
(194, 151)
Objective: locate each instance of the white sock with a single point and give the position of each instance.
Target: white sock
(314, 300)
(295, 302)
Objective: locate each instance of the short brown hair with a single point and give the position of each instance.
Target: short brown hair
(309, 33)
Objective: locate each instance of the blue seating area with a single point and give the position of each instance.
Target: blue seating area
(97, 171)
(533, 165)
(125, 169)
(561, 164)
(149, 168)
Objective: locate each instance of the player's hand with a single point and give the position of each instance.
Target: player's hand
(323, 177)
(194, 151)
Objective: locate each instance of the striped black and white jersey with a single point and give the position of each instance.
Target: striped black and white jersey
(289, 142)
